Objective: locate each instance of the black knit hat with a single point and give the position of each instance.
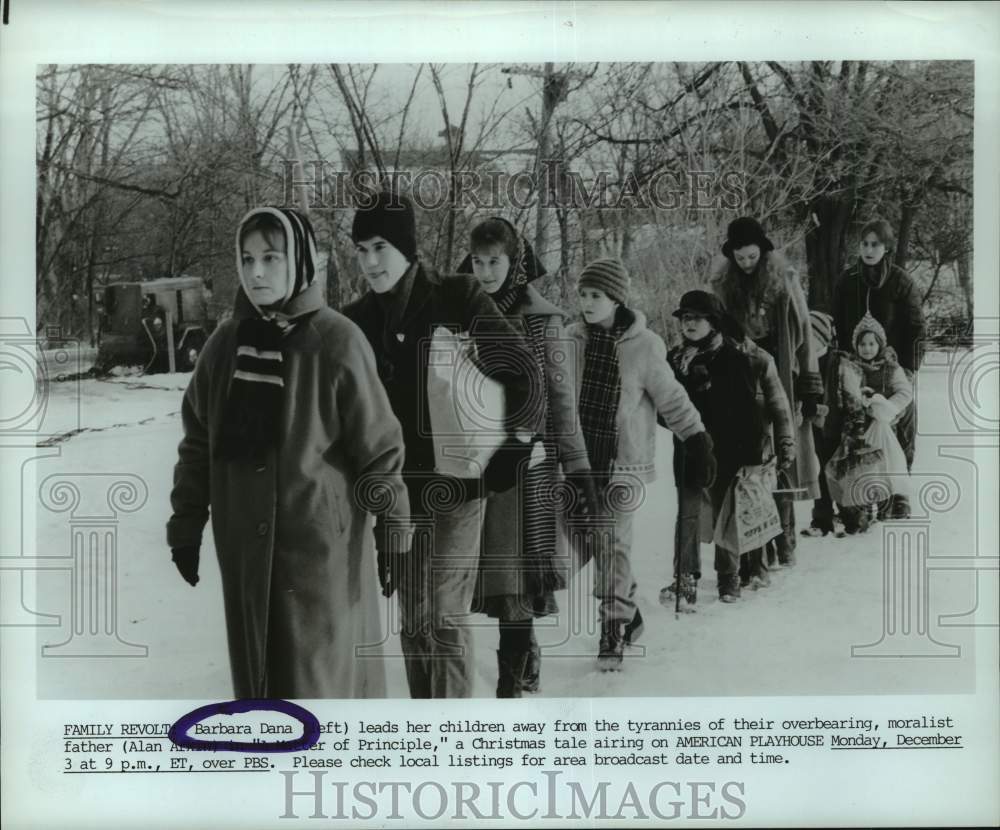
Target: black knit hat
(704, 305)
(608, 275)
(390, 216)
(745, 231)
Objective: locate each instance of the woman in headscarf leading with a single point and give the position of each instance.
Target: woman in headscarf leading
(290, 441)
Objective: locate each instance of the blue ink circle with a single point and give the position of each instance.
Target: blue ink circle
(310, 726)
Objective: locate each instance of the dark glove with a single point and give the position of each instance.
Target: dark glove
(699, 461)
(186, 559)
(392, 543)
(501, 472)
(391, 570)
(588, 497)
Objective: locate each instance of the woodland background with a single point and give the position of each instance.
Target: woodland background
(144, 171)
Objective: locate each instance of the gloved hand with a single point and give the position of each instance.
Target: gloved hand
(392, 543)
(186, 559)
(392, 570)
(588, 498)
(699, 461)
(810, 406)
(882, 409)
(501, 471)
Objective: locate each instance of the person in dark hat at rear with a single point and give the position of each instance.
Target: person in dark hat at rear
(719, 380)
(759, 287)
(405, 302)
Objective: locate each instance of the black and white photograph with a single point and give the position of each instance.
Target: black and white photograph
(703, 294)
(592, 381)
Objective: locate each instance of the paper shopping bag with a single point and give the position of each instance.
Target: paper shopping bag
(748, 517)
(466, 408)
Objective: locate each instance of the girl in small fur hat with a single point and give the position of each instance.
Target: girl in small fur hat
(869, 466)
(286, 429)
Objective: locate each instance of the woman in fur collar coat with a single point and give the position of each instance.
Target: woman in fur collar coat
(760, 289)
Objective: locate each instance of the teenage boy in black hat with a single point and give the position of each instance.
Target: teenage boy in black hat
(405, 303)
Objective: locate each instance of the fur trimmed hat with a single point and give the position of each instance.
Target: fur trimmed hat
(866, 325)
(391, 216)
(745, 231)
(608, 275)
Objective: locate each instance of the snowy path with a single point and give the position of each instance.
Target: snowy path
(792, 638)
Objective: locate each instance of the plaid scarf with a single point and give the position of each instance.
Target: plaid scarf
(251, 423)
(600, 391)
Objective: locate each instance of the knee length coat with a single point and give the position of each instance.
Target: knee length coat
(291, 528)
(777, 312)
(518, 521)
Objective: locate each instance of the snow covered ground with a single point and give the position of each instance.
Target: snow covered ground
(792, 638)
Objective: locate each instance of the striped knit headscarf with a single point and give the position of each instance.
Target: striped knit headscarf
(252, 421)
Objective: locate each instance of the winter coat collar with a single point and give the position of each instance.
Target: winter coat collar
(533, 303)
(306, 301)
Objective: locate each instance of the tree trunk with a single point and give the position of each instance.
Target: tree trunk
(824, 245)
(908, 212)
(965, 280)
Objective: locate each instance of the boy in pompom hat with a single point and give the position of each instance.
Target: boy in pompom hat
(623, 383)
(405, 302)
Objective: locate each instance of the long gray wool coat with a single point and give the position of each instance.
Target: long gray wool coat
(294, 544)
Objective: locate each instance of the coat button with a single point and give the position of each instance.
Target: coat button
(262, 529)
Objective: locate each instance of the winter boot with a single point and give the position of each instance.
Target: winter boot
(856, 520)
(822, 519)
(729, 587)
(900, 507)
(818, 528)
(759, 577)
(634, 628)
(612, 647)
(510, 673)
(689, 592)
(744, 570)
(786, 550)
(532, 670)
